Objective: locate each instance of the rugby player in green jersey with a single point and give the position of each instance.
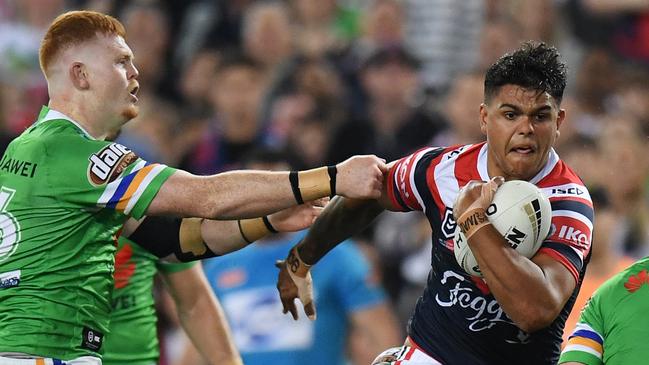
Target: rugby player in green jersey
(614, 325)
(65, 192)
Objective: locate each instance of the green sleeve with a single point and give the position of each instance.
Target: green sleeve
(103, 174)
(586, 341)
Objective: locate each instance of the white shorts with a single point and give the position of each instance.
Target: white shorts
(404, 355)
(83, 360)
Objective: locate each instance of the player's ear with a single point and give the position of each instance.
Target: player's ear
(483, 118)
(79, 76)
(560, 118)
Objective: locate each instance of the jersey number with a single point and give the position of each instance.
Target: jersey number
(9, 227)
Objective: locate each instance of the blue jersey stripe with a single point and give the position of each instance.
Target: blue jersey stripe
(122, 188)
(574, 206)
(588, 334)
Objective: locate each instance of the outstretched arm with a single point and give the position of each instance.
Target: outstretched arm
(192, 239)
(245, 194)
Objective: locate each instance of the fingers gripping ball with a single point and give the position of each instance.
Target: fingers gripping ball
(521, 213)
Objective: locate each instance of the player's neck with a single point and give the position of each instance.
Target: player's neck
(80, 116)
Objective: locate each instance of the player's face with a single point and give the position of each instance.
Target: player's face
(113, 79)
(521, 126)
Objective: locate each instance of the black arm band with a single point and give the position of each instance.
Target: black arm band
(243, 235)
(267, 224)
(332, 170)
(158, 235)
(161, 237)
(295, 185)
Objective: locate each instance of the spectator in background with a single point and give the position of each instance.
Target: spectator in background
(596, 81)
(620, 27)
(151, 133)
(498, 37)
(632, 100)
(24, 87)
(466, 89)
(196, 81)
(323, 26)
(392, 124)
(623, 153)
(444, 35)
(305, 86)
(382, 25)
(267, 36)
(310, 140)
(349, 306)
(144, 20)
(234, 127)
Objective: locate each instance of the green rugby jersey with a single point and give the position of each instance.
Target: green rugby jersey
(63, 196)
(132, 338)
(614, 326)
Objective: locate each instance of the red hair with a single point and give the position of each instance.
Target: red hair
(72, 28)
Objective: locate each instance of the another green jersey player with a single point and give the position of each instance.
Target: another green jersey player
(65, 193)
(614, 325)
(132, 339)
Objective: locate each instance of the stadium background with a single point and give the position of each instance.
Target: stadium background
(325, 79)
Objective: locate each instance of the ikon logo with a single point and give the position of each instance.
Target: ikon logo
(574, 235)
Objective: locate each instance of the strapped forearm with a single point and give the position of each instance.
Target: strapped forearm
(240, 194)
(341, 219)
(191, 239)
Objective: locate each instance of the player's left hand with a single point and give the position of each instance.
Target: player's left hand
(298, 217)
(294, 281)
(476, 195)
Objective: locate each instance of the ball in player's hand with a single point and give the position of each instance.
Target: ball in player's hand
(521, 213)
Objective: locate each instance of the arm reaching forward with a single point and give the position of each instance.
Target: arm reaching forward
(245, 194)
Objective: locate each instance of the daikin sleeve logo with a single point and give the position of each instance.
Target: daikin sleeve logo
(107, 164)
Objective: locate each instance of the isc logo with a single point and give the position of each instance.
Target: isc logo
(569, 191)
(108, 163)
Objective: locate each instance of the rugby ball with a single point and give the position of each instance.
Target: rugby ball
(521, 213)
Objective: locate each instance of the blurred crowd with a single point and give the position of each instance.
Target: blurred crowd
(322, 80)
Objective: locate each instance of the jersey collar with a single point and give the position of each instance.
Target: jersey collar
(48, 114)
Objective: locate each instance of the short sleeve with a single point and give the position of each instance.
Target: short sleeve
(586, 342)
(92, 173)
(570, 236)
(408, 175)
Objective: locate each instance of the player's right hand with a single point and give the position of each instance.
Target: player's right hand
(361, 177)
(298, 217)
(294, 281)
(476, 195)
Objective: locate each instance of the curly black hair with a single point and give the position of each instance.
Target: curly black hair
(534, 66)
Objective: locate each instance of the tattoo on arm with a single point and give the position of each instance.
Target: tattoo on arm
(341, 219)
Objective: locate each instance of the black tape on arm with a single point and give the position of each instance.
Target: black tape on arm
(161, 237)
